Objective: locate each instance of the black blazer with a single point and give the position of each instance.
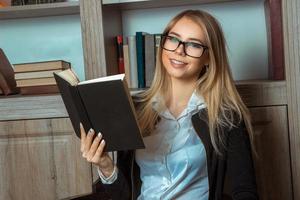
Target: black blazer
(235, 165)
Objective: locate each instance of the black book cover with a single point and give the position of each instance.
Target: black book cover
(73, 104)
(107, 108)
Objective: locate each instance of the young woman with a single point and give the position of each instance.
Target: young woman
(196, 128)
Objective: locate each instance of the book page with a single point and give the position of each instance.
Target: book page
(103, 79)
(69, 75)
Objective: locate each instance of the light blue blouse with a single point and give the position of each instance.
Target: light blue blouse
(173, 164)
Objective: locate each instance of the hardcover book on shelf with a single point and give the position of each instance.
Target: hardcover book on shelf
(120, 54)
(149, 58)
(7, 78)
(133, 61)
(37, 74)
(140, 54)
(40, 89)
(127, 64)
(41, 66)
(103, 104)
(36, 82)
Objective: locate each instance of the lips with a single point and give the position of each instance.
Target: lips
(177, 63)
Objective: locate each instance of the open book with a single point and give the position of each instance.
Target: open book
(103, 104)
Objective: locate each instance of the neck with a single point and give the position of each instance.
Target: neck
(181, 92)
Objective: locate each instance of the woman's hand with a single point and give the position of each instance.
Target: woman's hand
(92, 150)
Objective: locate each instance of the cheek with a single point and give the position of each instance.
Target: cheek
(164, 58)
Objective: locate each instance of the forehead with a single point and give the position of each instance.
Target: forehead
(187, 28)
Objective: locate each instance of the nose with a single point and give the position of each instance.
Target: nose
(180, 49)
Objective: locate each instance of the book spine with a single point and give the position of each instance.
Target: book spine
(127, 64)
(140, 52)
(120, 55)
(31, 75)
(36, 82)
(133, 61)
(149, 58)
(157, 44)
(44, 89)
(74, 105)
(275, 39)
(41, 66)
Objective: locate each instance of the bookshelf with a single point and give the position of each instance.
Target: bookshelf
(39, 10)
(142, 4)
(269, 101)
(115, 22)
(273, 104)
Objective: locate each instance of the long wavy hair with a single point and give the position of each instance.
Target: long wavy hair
(224, 105)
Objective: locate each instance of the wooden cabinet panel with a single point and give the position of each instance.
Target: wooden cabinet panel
(273, 170)
(40, 159)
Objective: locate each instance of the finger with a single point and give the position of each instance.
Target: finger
(99, 152)
(88, 141)
(94, 147)
(82, 137)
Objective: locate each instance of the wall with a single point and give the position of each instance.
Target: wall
(42, 39)
(244, 27)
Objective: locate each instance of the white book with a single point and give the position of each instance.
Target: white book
(133, 61)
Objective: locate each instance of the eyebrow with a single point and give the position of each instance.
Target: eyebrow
(195, 39)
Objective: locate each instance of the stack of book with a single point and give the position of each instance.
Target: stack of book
(37, 77)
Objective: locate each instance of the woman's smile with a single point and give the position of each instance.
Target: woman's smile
(177, 63)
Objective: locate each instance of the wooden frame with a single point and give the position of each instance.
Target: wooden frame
(39, 10)
(291, 27)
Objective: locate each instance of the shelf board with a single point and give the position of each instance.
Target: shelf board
(141, 4)
(40, 10)
(262, 92)
(22, 107)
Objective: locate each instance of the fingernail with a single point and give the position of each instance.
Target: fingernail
(103, 142)
(91, 130)
(80, 124)
(99, 135)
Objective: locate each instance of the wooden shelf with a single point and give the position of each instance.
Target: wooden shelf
(262, 92)
(18, 107)
(140, 4)
(40, 10)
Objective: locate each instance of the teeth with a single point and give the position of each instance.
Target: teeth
(177, 62)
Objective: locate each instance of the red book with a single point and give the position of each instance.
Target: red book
(275, 39)
(121, 67)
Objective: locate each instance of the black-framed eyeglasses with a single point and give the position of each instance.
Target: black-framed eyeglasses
(192, 49)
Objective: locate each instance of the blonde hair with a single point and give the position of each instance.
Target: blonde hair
(224, 105)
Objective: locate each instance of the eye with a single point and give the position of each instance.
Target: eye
(173, 39)
(194, 45)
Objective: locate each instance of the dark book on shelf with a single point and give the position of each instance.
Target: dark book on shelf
(275, 39)
(120, 54)
(140, 53)
(7, 78)
(103, 104)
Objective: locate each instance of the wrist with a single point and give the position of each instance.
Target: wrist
(107, 171)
